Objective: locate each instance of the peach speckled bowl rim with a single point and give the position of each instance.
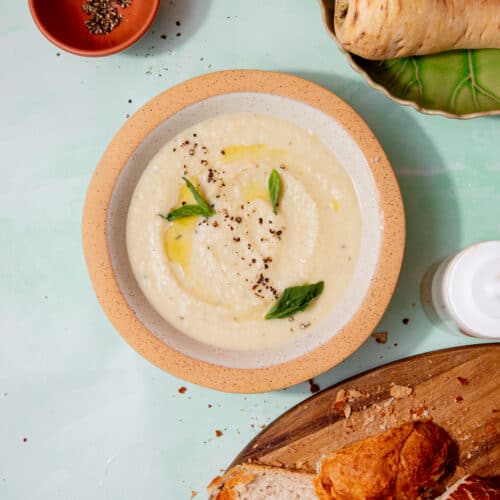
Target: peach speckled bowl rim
(94, 233)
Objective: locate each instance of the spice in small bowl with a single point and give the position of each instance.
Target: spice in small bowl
(104, 15)
(93, 27)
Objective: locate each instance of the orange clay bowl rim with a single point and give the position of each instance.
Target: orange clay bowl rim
(94, 229)
(95, 52)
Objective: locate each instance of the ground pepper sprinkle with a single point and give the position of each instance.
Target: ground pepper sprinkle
(104, 16)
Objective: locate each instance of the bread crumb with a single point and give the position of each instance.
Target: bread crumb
(218, 433)
(181, 390)
(347, 411)
(419, 413)
(388, 402)
(353, 394)
(276, 463)
(400, 391)
(194, 493)
(340, 396)
(380, 337)
(340, 402)
(369, 419)
(338, 407)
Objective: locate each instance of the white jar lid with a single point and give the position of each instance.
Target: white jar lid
(471, 289)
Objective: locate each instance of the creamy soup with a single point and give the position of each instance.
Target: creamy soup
(215, 278)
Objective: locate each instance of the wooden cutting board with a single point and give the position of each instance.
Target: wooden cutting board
(458, 388)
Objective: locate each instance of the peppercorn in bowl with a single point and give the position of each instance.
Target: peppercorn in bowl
(244, 231)
(93, 28)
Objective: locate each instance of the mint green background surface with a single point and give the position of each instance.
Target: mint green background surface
(100, 421)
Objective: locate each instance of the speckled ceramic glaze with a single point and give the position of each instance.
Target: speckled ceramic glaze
(455, 84)
(114, 180)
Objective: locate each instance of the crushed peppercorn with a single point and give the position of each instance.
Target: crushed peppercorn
(104, 16)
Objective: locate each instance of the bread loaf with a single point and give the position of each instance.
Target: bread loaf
(259, 482)
(401, 463)
(384, 29)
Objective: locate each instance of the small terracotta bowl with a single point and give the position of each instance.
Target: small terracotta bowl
(353, 317)
(63, 23)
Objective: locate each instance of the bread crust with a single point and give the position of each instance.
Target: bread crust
(224, 488)
(400, 463)
(385, 29)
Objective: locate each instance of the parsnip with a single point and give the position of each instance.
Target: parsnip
(384, 29)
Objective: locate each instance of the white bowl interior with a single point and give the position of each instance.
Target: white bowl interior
(334, 136)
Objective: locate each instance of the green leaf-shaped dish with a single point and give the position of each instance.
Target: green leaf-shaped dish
(456, 84)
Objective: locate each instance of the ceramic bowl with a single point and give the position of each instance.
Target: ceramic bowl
(455, 84)
(63, 23)
(312, 108)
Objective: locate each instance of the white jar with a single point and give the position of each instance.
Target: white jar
(465, 291)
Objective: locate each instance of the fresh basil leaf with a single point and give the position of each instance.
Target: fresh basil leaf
(295, 299)
(184, 211)
(202, 207)
(274, 188)
(201, 202)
